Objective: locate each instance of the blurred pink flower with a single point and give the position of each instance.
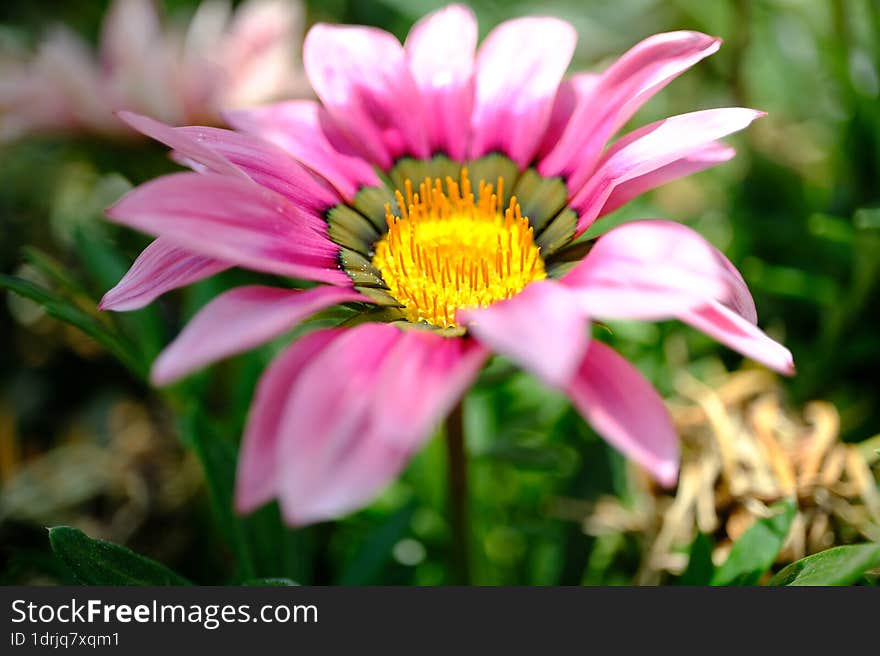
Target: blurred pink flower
(177, 73)
(441, 273)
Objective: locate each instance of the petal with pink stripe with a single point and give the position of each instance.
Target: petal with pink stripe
(648, 270)
(737, 296)
(353, 416)
(652, 147)
(361, 76)
(704, 158)
(658, 270)
(305, 130)
(624, 87)
(236, 221)
(518, 70)
(625, 409)
(236, 154)
(732, 330)
(425, 375)
(161, 267)
(575, 90)
(257, 476)
(543, 329)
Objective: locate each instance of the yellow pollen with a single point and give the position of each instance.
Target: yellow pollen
(452, 249)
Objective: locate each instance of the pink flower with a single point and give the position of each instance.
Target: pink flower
(439, 191)
(218, 62)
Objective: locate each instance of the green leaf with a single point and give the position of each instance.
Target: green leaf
(368, 562)
(837, 566)
(106, 267)
(218, 458)
(97, 562)
(270, 582)
(260, 542)
(53, 270)
(699, 568)
(533, 457)
(756, 549)
(67, 312)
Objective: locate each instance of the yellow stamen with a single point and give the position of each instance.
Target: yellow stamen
(453, 249)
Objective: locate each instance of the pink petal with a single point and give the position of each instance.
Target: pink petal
(623, 408)
(305, 130)
(519, 68)
(186, 146)
(650, 270)
(653, 147)
(543, 329)
(161, 267)
(328, 461)
(624, 87)
(657, 270)
(574, 91)
(359, 410)
(426, 375)
(731, 329)
(256, 479)
(259, 52)
(704, 158)
(440, 51)
(233, 220)
(239, 320)
(138, 68)
(361, 75)
(179, 158)
(240, 155)
(130, 28)
(737, 297)
(269, 165)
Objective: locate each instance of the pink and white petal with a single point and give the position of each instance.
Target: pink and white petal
(518, 70)
(138, 65)
(543, 329)
(257, 476)
(704, 158)
(359, 412)
(738, 297)
(305, 130)
(235, 221)
(574, 91)
(185, 146)
(648, 270)
(239, 320)
(440, 52)
(361, 76)
(425, 374)
(240, 155)
(624, 87)
(652, 147)
(268, 165)
(331, 462)
(623, 408)
(183, 160)
(131, 28)
(161, 267)
(731, 329)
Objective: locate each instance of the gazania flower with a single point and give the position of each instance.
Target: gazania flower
(440, 192)
(176, 74)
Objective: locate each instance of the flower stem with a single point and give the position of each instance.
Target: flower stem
(458, 496)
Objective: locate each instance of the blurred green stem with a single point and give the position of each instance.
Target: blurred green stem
(458, 493)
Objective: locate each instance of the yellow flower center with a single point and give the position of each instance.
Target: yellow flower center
(450, 249)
